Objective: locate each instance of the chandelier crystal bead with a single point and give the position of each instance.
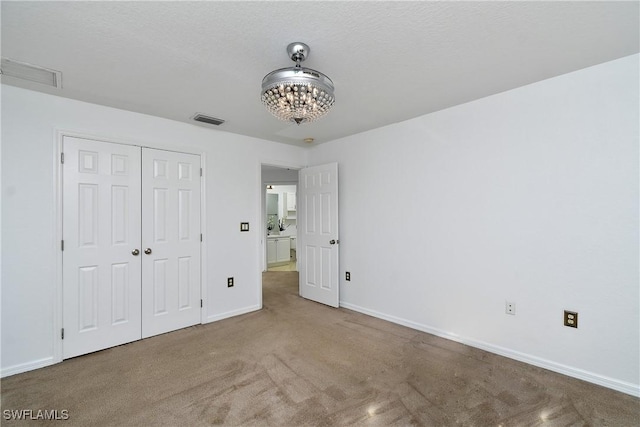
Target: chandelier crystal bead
(297, 94)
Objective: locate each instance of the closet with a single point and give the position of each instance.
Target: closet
(131, 243)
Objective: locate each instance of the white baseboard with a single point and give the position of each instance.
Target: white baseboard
(29, 366)
(227, 314)
(622, 386)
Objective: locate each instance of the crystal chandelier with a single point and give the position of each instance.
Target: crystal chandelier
(297, 94)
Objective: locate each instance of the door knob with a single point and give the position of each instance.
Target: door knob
(147, 251)
(332, 242)
(135, 252)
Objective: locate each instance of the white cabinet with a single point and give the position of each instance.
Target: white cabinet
(289, 203)
(278, 250)
(271, 251)
(283, 252)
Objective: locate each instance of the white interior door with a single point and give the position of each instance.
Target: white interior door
(101, 231)
(317, 244)
(171, 241)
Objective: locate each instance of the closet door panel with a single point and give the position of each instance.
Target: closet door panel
(171, 241)
(101, 184)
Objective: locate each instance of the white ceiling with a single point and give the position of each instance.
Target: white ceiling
(390, 61)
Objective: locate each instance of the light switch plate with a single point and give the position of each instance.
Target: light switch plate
(244, 226)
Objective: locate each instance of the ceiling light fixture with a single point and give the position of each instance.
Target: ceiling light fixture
(297, 94)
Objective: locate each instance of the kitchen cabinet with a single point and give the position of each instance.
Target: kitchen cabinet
(278, 250)
(271, 251)
(289, 203)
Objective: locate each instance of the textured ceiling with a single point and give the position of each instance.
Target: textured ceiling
(390, 61)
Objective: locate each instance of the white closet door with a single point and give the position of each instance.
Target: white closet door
(101, 231)
(170, 241)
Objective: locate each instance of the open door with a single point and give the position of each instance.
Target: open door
(318, 249)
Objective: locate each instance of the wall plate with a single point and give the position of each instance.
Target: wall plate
(510, 308)
(244, 226)
(571, 319)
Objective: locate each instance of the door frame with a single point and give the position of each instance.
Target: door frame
(58, 298)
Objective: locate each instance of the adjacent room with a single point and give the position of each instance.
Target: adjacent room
(281, 220)
(320, 213)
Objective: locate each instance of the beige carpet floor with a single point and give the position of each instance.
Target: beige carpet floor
(300, 363)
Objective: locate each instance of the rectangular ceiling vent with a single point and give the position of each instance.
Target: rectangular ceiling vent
(32, 73)
(207, 119)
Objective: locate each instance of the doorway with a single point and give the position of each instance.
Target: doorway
(317, 241)
(275, 182)
(281, 228)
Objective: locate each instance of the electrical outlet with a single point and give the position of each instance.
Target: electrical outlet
(230, 282)
(571, 319)
(510, 308)
(347, 276)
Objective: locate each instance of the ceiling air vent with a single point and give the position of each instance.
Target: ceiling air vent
(32, 73)
(207, 119)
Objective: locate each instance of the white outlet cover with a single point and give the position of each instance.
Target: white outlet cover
(510, 308)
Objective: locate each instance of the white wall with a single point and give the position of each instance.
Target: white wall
(29, 246)
(279, 176)
(529, 196)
